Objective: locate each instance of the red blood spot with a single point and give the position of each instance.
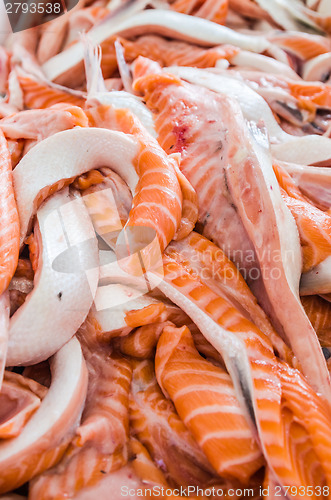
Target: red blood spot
(180, 132)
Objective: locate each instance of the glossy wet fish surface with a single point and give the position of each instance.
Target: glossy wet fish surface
(165, 252)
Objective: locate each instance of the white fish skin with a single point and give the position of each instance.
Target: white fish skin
(263, 63)
(290, 15)
(62, 222)
(54, 421)
(274, 234)
(315, 182)
(110, 487)
(317, 68)
(324, 8)
(317, 280)
(164, 22)
(114, 301)
(305, 150)
(69, 154)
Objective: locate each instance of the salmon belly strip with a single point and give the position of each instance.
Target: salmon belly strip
(9, 244)
(39, 95)
(216, 270)
(184, 117)
(319, 312)
(221, 156)
(301, 44)
(170, 309)
(264, 367)
(314, 416)
(311, 95)
(158, 199)
(149, 473)
(314, 225)
(205, 399)
(155, 423)
(144, 466)
(160, 194)
(100, 442)
(165, 52)
(142, 341)
(150, 173)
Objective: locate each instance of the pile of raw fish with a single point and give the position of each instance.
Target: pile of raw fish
(165, 251)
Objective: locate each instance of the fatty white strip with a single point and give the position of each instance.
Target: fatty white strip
(317, 280)
(317, 68)
(64, 289)
(163, 22)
